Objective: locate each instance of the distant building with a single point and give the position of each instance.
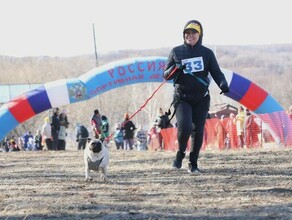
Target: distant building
(217, 110)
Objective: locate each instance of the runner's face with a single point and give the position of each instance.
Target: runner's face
(191, 37)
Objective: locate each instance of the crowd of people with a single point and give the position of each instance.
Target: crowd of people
(51, 136)
(238, 130)
(59, 124)
(28, 142)
(53, 133)
(128, 137)
(234, 132)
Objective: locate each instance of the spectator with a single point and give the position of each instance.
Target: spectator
(20, 143)
(128, 128)
(38, 141)
(247, 128)
(239, 121)
(64, 124)
(227, 142)
(118, 137)
(30, 143)
(46, 132)
(26, 140)
(153, 139)
(55, 129)
(251, 130)
(6, 144)
(231, 130)
(81, 136)
(161, 122)
(13, 144)
(220, 132)
(96, 123)
(255, 131)
(104, 129)
(141, 139)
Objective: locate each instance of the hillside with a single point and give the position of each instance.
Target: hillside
(253, 62)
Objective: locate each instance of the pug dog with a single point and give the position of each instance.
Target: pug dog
(96, 157)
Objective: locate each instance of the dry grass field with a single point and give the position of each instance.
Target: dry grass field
(244, 184)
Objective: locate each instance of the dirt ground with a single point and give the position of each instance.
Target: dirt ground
(242, 184)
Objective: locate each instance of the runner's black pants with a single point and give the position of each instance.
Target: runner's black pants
(191, 118)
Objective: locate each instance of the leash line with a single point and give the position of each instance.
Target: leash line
(143, 106)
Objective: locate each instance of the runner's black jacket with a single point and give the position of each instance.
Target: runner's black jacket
(187, 84)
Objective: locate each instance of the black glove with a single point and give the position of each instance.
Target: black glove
(180, 66)
(224, 87)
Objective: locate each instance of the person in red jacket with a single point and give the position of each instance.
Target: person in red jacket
(95, 122)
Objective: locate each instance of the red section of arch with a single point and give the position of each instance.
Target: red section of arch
(20, 108)
(254, 97)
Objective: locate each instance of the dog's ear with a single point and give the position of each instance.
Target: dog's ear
(88, 139)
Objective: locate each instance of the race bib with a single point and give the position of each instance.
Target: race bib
(193, 65)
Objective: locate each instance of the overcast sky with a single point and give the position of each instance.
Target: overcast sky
(65, 27)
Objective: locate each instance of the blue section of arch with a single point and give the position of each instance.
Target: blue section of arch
(238, 87)
(268, 106)
(7, 120)
(38, 99)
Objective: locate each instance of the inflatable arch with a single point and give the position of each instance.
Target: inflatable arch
(136, 70)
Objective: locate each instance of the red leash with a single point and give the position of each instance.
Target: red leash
(142, 106)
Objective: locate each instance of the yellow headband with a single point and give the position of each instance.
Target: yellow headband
(194, 26)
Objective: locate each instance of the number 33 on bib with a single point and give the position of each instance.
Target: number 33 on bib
(193, 65)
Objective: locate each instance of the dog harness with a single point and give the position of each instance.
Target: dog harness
(93, 165)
